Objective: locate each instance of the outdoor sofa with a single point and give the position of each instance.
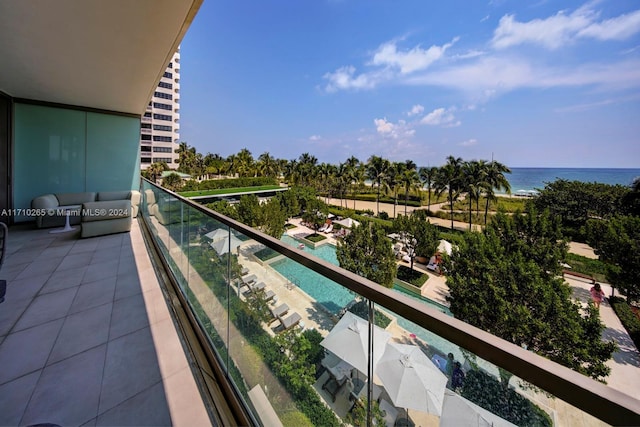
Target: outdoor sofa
(101, 213)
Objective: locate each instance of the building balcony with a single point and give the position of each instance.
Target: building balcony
(86, 336)
(145, 131)
(89, 317)
(145, 119)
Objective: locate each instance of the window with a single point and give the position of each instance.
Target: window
(145, 148)
(162, 127)
(162, 159)
(165, 85)
(161, 117)
(162, 106)
(170, 65)
(162, 95)
(157, 138)
(147, 114)
(168, 75)
(145, 137)
(162, 149)
(145, 125)
(145, 159)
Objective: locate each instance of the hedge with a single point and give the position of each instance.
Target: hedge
(361, 309)
(213, 184)
(414, 277)
(628, 318)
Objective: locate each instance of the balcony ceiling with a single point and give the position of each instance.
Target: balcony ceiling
(100, 54)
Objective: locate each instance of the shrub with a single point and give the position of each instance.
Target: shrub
(414, 277)
(584, 265)
(315, 237)
(628, 318)
(361, 309)
(487, 392)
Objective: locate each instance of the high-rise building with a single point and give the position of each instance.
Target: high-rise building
(160, 124)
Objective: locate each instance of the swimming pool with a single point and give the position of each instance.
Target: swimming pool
(331, 295)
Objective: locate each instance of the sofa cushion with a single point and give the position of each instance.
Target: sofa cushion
(110, 209)
(67, 199)
(113, 195)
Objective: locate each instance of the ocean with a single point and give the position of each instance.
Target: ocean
(529, 179)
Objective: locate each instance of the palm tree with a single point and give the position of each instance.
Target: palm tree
(473, 182)
(410, 181)
(326, 174)
(155, 170)
(392, 181)
(377, 170)
(267, 165)
(449, 179)
(290, 171)
(186, 158)
(357, 177)
(427, 175)
(307, 168)
(495, 180)
(244, 163)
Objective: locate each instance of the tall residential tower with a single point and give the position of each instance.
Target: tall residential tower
(160, 125)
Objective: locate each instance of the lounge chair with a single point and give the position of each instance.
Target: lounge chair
(329, 228)
(289, 322)
(278, 312)
(256, 287)
(269, 295)
(244, 271)
(249, 279)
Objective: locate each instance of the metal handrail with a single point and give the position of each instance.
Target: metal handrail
(605, 403)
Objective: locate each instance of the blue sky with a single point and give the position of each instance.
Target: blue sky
(547, 83)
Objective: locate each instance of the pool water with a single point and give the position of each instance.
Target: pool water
(331, 295)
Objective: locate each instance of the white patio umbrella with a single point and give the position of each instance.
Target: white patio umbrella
(411, 379)
(458, 411)
(218, 233)
(445, 247)
(221, 246)
(349, 340)
(347, 222)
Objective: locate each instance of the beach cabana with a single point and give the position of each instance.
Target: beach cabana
(221, 246)
(217, 234)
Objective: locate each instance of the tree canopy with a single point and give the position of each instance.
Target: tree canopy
(506, 281)
(367, 251)
(420, 236)
(617, 243)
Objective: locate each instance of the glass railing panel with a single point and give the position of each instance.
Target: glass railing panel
(207, 274)
(273, 323)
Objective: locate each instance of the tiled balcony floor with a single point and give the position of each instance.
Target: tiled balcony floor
(86, 337)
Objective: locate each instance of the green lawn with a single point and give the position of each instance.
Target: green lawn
(228, 191)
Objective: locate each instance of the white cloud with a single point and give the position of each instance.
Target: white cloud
(552, 32)
(560, 29)
(440, 117)
(469, 142)
(492, 75)
(398, 130)
(410, 60)
(416, 109)
(345, 78)
(315, 138)
(388, 63)
(619, 28)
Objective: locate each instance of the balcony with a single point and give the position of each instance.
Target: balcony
(234, 280)
(78, 311)
(86, 335)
